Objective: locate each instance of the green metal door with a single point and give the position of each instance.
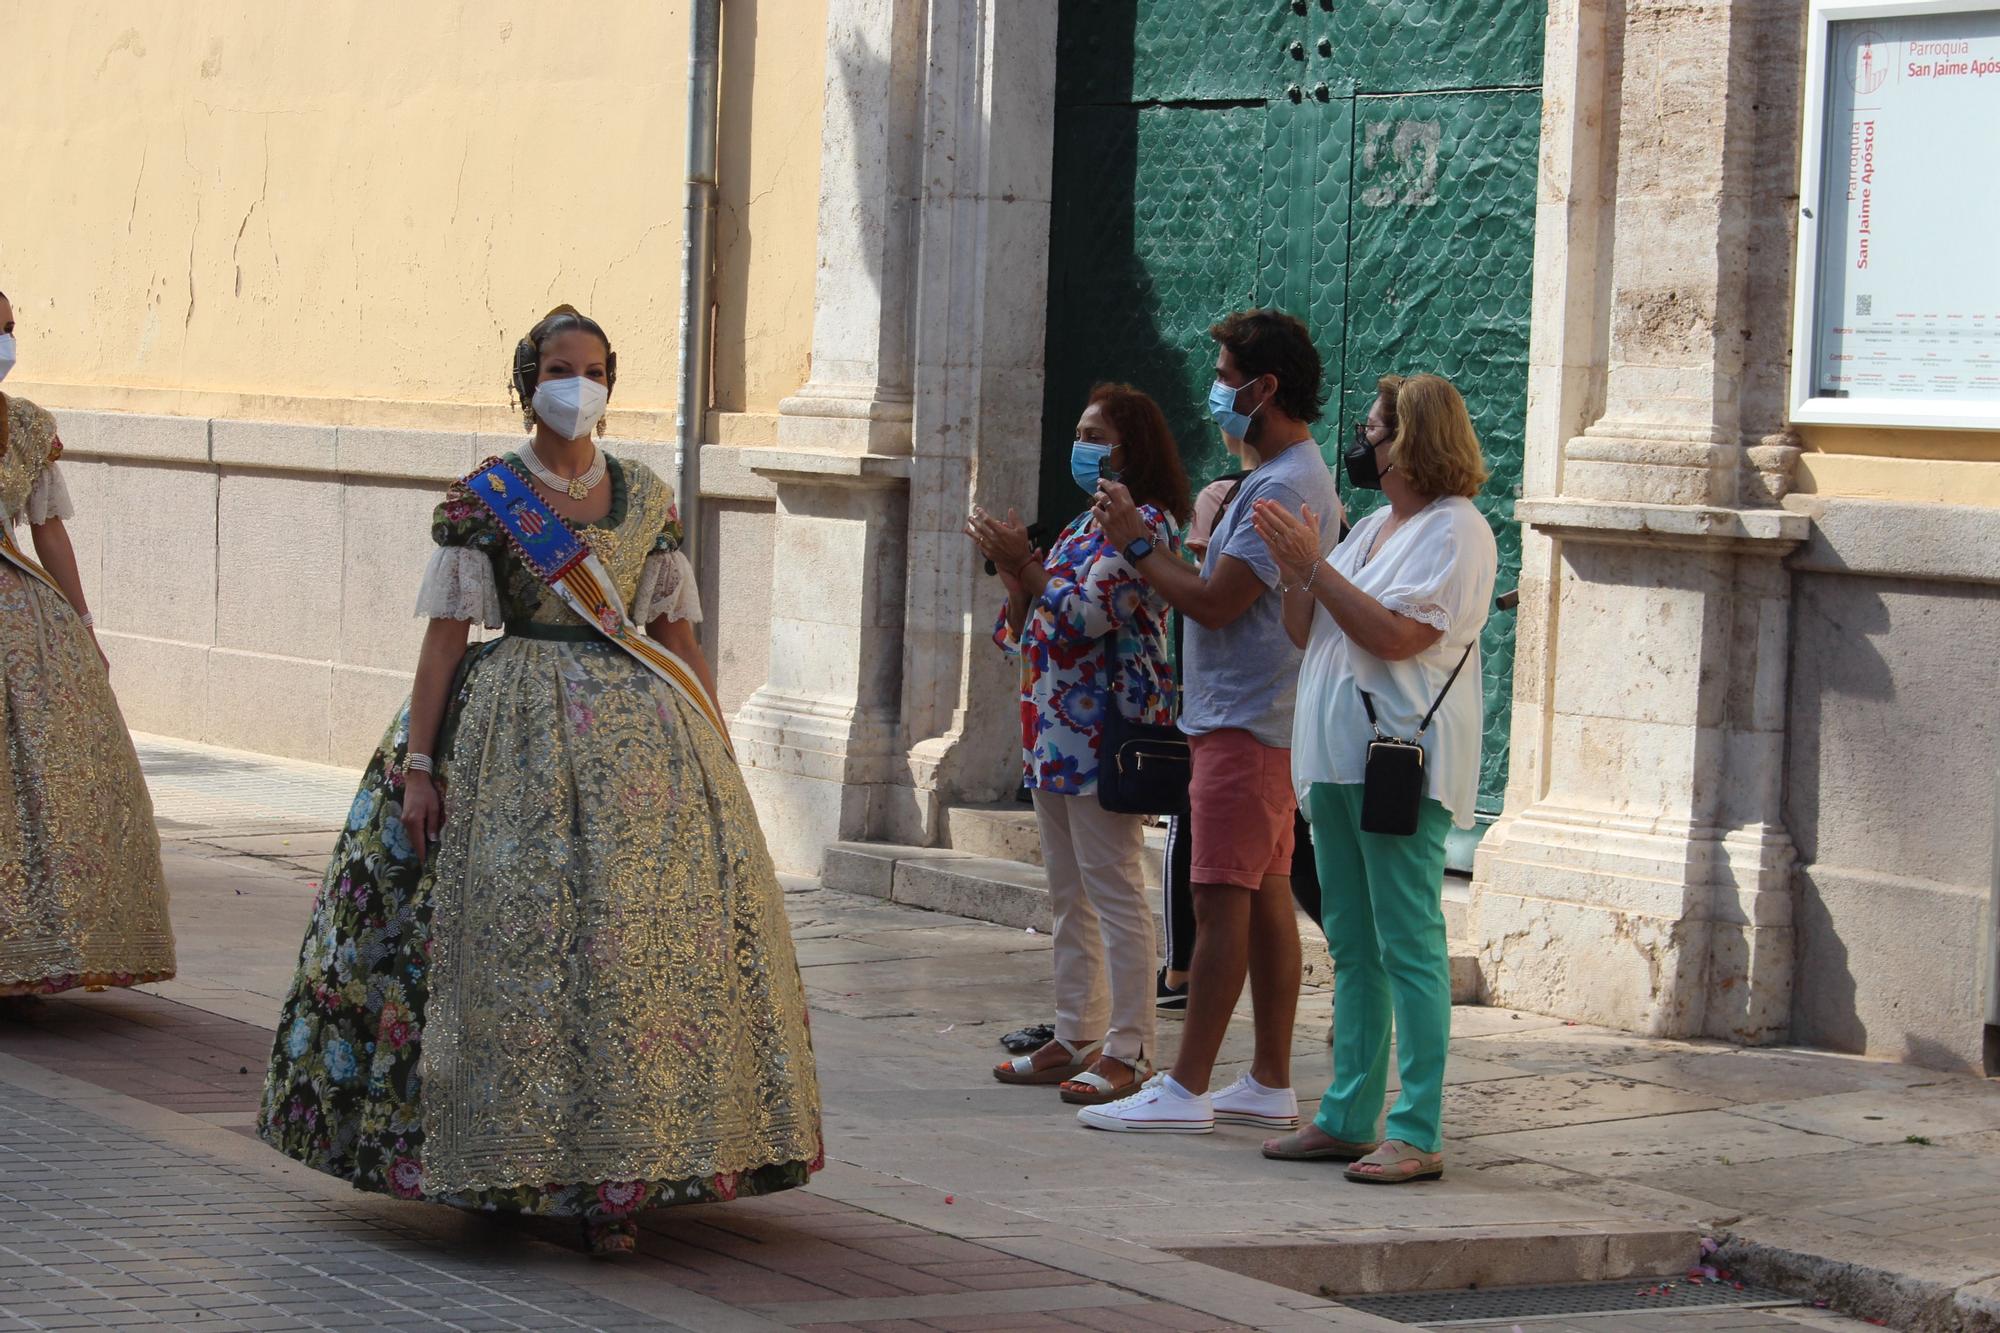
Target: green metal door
(1367, 166)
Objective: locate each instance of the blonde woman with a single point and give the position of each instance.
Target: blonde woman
(82, 898)
(1390, 623)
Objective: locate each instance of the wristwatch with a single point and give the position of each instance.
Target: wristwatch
(1138, 550)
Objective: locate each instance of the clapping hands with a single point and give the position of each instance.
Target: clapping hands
(1293, 539)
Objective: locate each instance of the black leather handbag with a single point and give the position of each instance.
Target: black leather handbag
(1392, 780)
(1142, 768)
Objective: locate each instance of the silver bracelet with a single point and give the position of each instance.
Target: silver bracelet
(1313, 577)
(418, 763)
(89, 621)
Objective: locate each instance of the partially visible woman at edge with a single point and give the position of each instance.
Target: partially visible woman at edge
(1391, 612)
(1092, 636)
(549, 969)
(82, 899)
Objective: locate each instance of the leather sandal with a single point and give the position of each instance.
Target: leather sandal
(1091, 1088)
(1286, 1149)
(1400, 1165)
(1021, 1069)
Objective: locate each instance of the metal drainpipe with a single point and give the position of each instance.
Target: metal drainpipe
(704, 103)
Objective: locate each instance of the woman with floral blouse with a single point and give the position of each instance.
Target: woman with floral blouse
(1092, 635)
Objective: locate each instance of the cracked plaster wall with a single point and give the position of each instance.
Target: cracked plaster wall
(269, 264)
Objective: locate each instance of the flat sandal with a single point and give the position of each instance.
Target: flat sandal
(1340, 1150)
(1021, 1069)
(1430, 1166)
(1091, 1088)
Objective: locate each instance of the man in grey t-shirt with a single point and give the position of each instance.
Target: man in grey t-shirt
(1239, 678)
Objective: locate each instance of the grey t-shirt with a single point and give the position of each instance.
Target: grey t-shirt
(1246, 674)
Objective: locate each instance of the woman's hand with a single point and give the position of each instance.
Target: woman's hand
(423, 812)
(1293, 541)
(1118, 516)
(1010, 579)
(1003, 541)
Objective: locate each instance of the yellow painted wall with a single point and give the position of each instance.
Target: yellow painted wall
(1933, 466)
(347, 212)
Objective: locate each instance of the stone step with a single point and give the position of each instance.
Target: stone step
(1014, 893)
(1365, 1262)
(1006, 832)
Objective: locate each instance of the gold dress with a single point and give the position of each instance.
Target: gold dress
(587, 1001)
(82, 898)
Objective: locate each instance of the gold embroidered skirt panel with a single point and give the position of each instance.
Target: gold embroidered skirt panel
(83, 901)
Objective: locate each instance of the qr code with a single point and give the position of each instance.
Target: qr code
(1864, 305)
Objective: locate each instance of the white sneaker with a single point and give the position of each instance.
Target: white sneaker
(1155, 1109)
(1245, 1102)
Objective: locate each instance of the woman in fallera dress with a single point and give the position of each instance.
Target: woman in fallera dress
(549, 969)
(82, 899)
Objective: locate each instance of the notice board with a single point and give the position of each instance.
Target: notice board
(1899, 256)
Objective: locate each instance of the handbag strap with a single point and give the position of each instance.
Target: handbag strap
(1424, 725)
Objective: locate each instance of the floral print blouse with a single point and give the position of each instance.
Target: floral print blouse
(1096, 635)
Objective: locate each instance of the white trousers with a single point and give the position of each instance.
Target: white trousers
(1104, 927)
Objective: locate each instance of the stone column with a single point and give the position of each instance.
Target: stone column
(1642, 873)
(820, 740)
(980, 321)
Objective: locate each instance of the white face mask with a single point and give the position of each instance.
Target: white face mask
(6, 354)
(570, 407)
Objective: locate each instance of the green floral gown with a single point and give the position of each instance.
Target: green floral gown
(587, 1001)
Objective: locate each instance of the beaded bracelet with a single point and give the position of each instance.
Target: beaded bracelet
(418, 763)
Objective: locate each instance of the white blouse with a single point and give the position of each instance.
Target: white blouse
(1439, 568)
(47, 499)
(459, 585)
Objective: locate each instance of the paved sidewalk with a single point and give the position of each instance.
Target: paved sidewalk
(951, 1201)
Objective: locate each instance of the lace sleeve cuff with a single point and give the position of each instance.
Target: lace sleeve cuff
(49, 498)
(459, 585)
(667, 588)
(1428, 613)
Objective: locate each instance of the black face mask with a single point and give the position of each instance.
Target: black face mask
(1362, 470)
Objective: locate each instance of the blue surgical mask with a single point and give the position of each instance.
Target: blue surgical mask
(1086, 458)
(1222, 406)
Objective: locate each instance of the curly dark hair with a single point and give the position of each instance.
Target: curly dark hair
(1271, 342)
(528, 356)
(1152, 471)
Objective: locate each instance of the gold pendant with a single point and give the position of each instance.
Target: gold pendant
(577, 490)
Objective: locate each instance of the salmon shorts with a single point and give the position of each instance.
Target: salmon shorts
(1240, 806)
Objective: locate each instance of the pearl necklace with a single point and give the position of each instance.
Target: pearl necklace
(577, 487)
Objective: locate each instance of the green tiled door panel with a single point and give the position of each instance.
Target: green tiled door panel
(1407, 46)
(1151, 241)
(1135, 51)
(1302, 265)
(1440, 275)
(1369, 166)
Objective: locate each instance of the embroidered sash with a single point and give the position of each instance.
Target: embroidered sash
(15, 556)
(574, 573)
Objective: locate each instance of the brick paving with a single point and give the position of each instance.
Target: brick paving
(169, 1055)
(103, 1227)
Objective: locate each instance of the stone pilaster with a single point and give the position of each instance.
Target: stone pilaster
(980, 314)
(1643, 875)
(820, 741)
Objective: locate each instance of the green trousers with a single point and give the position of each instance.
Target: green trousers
(1384, 919)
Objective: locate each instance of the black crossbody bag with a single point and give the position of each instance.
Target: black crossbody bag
(1142, 768)
(1392, 781)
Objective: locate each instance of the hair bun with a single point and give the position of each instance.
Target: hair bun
(563, 309)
